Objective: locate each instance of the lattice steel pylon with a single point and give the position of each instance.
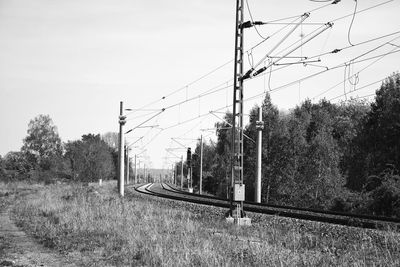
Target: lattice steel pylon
(237, 196)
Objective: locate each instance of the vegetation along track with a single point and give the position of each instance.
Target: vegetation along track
(357, 220)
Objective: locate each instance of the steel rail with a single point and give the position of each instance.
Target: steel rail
(318, 211)
(288, 212)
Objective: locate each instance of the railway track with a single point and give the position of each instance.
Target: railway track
(357, 220)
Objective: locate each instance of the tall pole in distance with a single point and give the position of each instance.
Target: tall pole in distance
(135, 171)
(127, 164)
(121, 151)
(144, 170)
(173, 174)
(201, 164)
(191, 178)
(259, 127)
(139, 180)
(182, 172)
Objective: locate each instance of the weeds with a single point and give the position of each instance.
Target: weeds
(95, 225)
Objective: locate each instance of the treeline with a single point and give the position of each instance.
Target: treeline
(44, 157)
(343, 157)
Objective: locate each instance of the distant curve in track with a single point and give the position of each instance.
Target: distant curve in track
(362, 221)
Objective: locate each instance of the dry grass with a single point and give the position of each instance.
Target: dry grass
(94, 225)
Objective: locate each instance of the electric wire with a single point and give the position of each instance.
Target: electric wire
(312, 75)
(297, 16)
(362, 10)
(280, 68)
(261, 70)
(360, 88)
(141, 116)
(214, 70)
(337, 50)
(209, 92)
(282, 87)
(187, 85)
(379, 57)
(152, 139)
(252, 20)
(351, 24)
(152, 117)
(221, 66)
(228, 62)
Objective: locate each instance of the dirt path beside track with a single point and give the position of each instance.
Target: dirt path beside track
(19, 249)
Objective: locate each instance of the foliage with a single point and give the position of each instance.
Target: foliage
(16, 161)
(42, 146)
(208, 161)
(111, 139)
(90, 159)
(312, 155)
(222, 162)
(383, 193)
(377, 143)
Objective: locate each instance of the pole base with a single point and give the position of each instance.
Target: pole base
(245, 221)
(190, 190)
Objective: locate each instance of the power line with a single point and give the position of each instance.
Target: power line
(351, 24)
(358, 89)
(312, 75)
(278, 88)
(187, 85)
(337, 50)
(281, 87)
(352, 61)
(251, 18)
(152, 117)
(362, 10)
(228, 62)
(208, 92)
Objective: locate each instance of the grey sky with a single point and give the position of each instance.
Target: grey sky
(75, 60)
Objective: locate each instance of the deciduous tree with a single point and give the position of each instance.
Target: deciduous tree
(42, 146)
(90, 159)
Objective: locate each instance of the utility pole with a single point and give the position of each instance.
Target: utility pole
(139, 180)
(182, 172)
(121, 151)
(237, 194)
(189, 163)
(259, 127)
(127, 164)
(201, 163)
(173, 174)
(135, 171)
(144, 171)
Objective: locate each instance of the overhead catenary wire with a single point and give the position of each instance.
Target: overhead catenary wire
(152, 117)
(228, 62)
(351, 23)
(362, 10)
(228, 86)
(280, 88)
(143, 115)
(290, 17)
(187, 85)
(379, 57)
(252, 20)
(251, 74)
(337, 50)
(311, 76)
(360, 88)
(303, 17)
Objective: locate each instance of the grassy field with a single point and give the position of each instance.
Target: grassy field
(95, 226)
